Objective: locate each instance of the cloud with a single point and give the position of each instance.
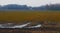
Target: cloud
(29, 2)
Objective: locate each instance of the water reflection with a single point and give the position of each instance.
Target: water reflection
(12, 25)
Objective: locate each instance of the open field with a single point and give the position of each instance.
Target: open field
(33, 16)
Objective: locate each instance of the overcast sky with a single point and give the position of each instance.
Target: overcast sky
(29, 2)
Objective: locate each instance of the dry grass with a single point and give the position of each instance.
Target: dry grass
(21, 16)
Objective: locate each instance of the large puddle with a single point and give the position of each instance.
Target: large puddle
(13, 25)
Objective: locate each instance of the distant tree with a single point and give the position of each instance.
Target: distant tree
(16, 7)
(54, 7)
(25, 7)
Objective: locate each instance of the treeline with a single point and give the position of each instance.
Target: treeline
(14, 7)
(25, 7)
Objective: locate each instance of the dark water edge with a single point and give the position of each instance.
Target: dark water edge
(30, 30)
(44, 28)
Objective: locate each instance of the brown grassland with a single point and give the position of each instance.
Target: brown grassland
(22, 16)
(34, 17)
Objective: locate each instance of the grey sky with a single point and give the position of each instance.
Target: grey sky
(29, 2)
